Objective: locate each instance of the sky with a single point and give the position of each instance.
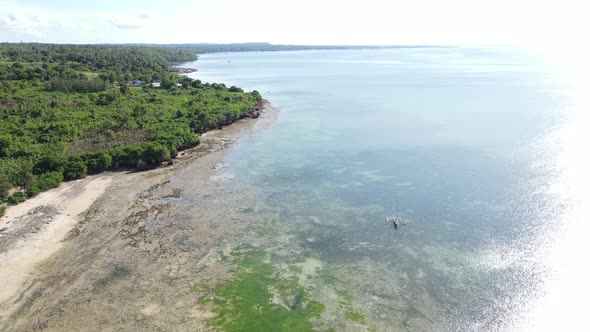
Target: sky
(309, 22)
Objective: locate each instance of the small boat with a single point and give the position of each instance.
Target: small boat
(396, 221)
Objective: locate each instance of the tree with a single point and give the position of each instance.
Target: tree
(106, 98)
(257, 95)
(124, 89)
(5, 142)
(155, 154)
(5, 187)
(186, 81)
(98, 162)
(168, 83)
(197, 84)
(17, 198)
(45, 182)
(52, 161)
(75, 168)
(25, 176)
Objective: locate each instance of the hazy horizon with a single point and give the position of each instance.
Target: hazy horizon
(267, 43)
(373, 22)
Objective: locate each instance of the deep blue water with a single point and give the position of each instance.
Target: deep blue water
(461, 141)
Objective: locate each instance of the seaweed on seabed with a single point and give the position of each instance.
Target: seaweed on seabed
(245, 303)
(297, 301)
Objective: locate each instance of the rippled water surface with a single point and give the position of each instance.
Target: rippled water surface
(481, 149)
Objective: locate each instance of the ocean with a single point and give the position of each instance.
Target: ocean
(481, 150)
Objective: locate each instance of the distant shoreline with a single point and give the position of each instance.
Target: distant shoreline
(203, 48)
(181, 70)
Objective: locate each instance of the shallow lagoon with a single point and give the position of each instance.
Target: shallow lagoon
(464, 142)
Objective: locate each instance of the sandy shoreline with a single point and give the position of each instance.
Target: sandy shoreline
(112, 220)
(51, 215)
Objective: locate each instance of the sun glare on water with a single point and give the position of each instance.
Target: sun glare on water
(560, 303)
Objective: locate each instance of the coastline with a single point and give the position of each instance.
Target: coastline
(183, 71)
(34, 229)
(49, 233)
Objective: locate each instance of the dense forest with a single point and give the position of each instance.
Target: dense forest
(67, 111)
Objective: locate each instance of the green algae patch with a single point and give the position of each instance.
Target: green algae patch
(330, 278)
(198, 288)
(258, 299)
(353, 315)
(248, 210)
(345, 299)
(264, 227)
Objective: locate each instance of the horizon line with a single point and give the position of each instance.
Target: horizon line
(267, 44)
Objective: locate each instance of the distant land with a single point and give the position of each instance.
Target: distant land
(201, 48)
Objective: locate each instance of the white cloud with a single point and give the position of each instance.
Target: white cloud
(27, 24)
(465, 22)
(136, 20)
(63, 23)
(34, 24)
(145, 14)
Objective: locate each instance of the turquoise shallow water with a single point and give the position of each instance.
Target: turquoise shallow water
(467, 143)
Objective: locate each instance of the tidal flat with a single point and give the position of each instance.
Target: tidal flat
(181, 247)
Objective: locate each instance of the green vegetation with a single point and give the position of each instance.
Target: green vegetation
(353, 315)
(4, 188)
(350, 313)
(113, 63)
(17, 198)
(67, 111)
(248, 210)
(257, 299)
(264, 227)
(345, 298)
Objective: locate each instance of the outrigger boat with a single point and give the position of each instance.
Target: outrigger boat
(396, 220)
